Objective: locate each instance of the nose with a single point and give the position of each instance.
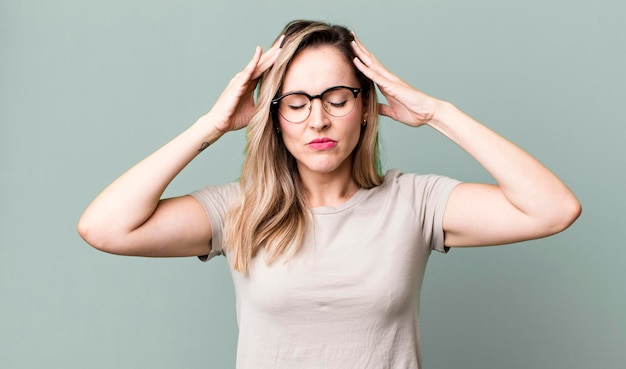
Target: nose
(318, 119)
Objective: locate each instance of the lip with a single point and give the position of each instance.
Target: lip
(323, 143)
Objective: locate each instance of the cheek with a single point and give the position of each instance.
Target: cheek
(358, 112)
(282, 125)
(288, 134)
(354, 120)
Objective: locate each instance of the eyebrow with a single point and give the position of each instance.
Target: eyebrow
(280, 93)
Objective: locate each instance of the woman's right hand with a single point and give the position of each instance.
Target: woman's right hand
(130, 218)
(235, 106)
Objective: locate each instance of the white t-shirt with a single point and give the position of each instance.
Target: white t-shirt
(349, 298)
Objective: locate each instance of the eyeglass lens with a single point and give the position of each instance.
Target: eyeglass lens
(337, 102)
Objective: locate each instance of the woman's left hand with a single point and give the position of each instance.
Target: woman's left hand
(406, 104)
(528, 201)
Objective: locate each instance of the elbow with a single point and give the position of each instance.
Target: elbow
(87, 232)
(564, 215)
(571, 212)
(105, 237)
(94, 235)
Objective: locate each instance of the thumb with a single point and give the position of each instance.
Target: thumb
(385, 110)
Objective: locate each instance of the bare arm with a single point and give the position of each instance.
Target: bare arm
(130, 218)
(528, 201)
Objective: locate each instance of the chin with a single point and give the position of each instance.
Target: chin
(325, 166)
(322, 169)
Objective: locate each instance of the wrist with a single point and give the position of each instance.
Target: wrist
(206, 131)
(445, 114)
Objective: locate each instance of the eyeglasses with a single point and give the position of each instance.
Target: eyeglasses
(295, 107)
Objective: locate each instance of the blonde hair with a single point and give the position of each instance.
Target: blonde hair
(271, 211)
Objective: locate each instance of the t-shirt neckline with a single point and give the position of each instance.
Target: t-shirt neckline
(341, 207)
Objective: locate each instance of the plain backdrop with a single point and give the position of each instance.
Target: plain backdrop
(88, 88)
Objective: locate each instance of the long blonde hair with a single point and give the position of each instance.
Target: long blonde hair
(271, 211)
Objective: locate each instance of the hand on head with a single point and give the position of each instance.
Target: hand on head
(235, 106)
(405, 103)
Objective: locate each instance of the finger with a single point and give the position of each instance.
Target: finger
(266, 62)
(244, 76)
(273, 51)
(372, 63)
(363, 53)
(241, 80)
(369, 72)
(370, 60)
(251, 66)
(360, 44)
(268, 58)
(385, 110)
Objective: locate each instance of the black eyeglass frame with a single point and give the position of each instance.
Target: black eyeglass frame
(355, 91)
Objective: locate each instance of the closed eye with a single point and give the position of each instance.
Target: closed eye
(297, 107)
(338, 104)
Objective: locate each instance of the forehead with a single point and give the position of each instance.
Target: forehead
(315, 69)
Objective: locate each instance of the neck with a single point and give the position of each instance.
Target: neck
(328, 189)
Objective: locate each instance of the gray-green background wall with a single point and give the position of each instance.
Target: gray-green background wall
(88, 88)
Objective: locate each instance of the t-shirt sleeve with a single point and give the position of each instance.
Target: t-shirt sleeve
(216, 201)
(429, 195)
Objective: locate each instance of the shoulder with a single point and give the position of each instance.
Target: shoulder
(223, 194)
(397, 178)
(418, 189)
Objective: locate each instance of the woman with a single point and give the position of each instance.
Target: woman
(327, 255)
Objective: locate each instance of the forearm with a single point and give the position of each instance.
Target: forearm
(132, 198)
(527, 184)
